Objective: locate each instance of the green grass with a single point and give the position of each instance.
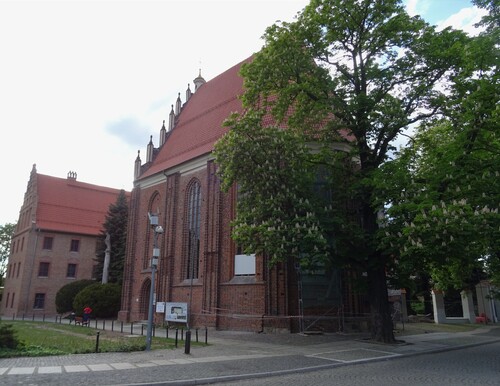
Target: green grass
(425, 328)
(46, 338)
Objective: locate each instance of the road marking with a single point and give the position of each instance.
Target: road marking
(21, 370)
(50, 370)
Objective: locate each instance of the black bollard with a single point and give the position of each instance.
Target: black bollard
(197, 335)
(176, 337)
(97, 342)
(166, 332)
(206, 335)
(187, 344)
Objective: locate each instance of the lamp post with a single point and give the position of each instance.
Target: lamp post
(157, 230)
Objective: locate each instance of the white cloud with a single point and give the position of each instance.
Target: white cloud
(465, 19)
(417, 7)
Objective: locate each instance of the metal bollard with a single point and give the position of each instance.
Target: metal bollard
(206, 335)
(97, 342)
(197, 335)
(176, 337)
(187, 343)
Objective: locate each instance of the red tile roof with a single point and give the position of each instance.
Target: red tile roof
(199, 124)
(68, 205)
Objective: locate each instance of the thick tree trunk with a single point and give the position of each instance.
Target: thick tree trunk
(382, 329)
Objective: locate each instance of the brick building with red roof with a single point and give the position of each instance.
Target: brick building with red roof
(54, 242)
(200, 271)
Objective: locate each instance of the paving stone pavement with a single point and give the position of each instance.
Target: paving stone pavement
(233, 355)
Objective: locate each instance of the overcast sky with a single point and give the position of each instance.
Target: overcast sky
(83, 84)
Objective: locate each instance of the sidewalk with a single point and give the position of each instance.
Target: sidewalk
(239, 355)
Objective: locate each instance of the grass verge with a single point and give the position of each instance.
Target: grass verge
(426, 328)
(46, 338)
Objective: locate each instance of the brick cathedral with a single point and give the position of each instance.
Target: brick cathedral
(198, 263)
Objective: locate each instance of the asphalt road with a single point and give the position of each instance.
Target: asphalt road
(478, 365)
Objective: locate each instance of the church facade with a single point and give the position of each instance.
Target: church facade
(201, 275)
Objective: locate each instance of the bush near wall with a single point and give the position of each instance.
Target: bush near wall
(103, 299)
(66, 295)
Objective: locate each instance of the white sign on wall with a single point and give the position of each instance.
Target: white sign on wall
(176, 312)
(160, 307)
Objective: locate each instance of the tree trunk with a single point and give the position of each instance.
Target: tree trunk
(382, 329)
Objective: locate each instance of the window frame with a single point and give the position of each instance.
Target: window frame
(48, 243)
(193, 230)
(74, 268)
(46, 267)
(74, 245)
(39, 301)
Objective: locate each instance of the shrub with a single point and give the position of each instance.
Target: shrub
(104, 299)
(66, 295)
(8, 337)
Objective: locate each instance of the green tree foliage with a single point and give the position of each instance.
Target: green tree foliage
(116, 225)
(67, 293)
(8, 338)
(104, 299)
(283, 216)
(443, 190)
(6, 233)
(358, 72)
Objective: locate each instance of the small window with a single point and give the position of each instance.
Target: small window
(71, 270)
(39, 301)
(12, 300)
(18, 268)
(47, 243)
(75, 246)
(43, 270)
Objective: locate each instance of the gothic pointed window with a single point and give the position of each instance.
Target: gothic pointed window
(193, 230)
